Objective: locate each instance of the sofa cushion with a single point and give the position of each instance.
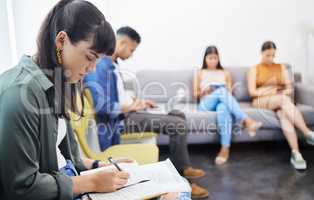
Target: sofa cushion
(202, 121)
(239, 79)
(206, 121)
(213, 137)
(308, 114)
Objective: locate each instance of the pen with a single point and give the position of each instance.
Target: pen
(143, 181)
(114, 163)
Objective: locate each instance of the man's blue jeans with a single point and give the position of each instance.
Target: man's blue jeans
(228, 110)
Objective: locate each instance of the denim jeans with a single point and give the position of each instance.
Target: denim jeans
(228, 111)
(184, 196)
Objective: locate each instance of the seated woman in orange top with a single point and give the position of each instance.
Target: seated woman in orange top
(271, 88)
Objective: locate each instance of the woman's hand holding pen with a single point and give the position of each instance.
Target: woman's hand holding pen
(109, 181)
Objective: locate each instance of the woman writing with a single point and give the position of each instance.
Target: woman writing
(38, 155)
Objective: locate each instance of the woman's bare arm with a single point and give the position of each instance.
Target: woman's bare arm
(196, 85)
(288, 87)
(228, 80)
(197, 93)
(251, 82)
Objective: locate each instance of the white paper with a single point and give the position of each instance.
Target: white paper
(163, 178)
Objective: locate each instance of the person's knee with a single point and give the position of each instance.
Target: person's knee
(176, 125)
(281, 100)
(177, 113)
(222, 108)
(286, 100)
(276, 101)
(223, 92)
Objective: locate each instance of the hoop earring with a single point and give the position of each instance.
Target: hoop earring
(59, 56)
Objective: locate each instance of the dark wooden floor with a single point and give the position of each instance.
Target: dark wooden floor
(256, 171)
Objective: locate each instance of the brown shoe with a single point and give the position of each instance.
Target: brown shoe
(191, 173)
(198, 192)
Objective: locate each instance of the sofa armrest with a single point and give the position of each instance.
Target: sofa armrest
(304, 94)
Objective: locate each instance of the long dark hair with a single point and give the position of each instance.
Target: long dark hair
(268, 45)
(211, 50)
(82, 21)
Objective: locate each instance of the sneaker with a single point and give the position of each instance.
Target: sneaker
(297, 161)
(310, 139)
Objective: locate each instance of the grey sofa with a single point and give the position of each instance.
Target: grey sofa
(163, 86)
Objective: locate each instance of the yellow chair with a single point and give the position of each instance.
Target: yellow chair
(142, 153)
(138, 138)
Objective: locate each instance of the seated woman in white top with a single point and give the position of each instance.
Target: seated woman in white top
(212, 86)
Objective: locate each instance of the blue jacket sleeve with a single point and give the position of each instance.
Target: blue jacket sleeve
(102, 85)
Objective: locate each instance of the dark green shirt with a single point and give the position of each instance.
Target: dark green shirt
(28, 135)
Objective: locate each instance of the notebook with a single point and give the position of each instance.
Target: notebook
(163, 178)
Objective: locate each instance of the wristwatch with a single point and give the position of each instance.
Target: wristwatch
(95, 164)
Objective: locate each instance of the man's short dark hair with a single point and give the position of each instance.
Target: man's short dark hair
(129, 32)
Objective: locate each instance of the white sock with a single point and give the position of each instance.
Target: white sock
(294, 151)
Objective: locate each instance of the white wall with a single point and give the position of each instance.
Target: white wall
(28, 16)
(25, 19)
(5, 52)
(175, 33)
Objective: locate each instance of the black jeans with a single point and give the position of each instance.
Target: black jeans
(173, 124)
